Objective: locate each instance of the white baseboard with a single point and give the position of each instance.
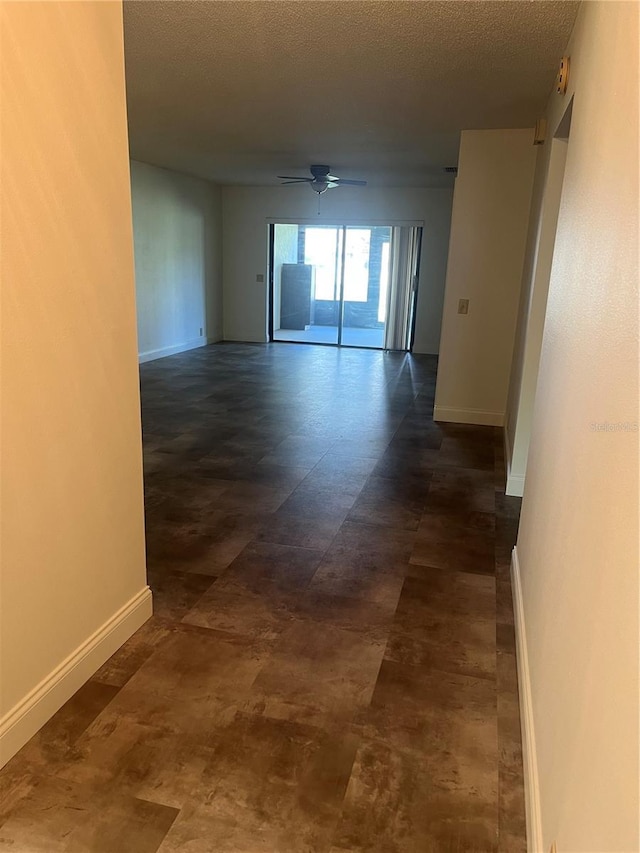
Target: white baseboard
(515, 482)
(529, 755)
(468, 416)
(153, 354)
(19, 724)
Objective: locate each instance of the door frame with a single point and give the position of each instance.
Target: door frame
(344, 222)
(272, 239)
(416, 288)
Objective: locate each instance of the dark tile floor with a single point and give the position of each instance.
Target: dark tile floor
(331, 663)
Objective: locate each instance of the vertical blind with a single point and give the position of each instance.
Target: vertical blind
(404, 252)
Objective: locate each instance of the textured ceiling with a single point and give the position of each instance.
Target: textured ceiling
(241, 91)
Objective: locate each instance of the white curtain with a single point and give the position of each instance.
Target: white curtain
(403, 268)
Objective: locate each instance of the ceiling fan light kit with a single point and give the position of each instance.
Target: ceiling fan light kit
(322, 180)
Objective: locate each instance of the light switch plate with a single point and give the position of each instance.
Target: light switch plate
(260, 277)
(463, 306)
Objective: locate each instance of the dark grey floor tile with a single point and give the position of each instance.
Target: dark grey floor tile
(59, 815)
(286, 567)
(300, 531)
(445, 545)
(251, 497)
(386, 507)
(309, 501)
(270, 785)
(175, 593)
(354, 574)
(138, 648)
(446, 622)
(393, 805)
(331, 665)
(239, 611)
(429, 711)
(318, 675)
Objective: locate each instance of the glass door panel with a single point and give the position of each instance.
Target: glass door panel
(338, 284)
(366, 278)
(306, 283)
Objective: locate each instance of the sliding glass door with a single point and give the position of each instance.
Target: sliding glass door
(332, 284)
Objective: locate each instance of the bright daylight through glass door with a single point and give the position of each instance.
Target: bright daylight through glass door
(330, 284)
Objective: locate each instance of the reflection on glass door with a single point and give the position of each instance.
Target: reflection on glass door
(364, 309)
(331, 283)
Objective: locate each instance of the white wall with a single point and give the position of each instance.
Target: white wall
(488, 233)
(177, 234)
(533, 303)
(73, 568)
(246, 211)
(578, 543)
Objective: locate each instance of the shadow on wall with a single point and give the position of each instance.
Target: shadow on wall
(541, 240)
(177, 244)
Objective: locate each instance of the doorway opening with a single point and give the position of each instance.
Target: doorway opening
(533, 311)
(343, 285)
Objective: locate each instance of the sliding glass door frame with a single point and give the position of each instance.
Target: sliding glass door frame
(270, 273)
(414, 299)
(341, 227)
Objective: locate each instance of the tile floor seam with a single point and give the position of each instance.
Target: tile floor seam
(382, 715)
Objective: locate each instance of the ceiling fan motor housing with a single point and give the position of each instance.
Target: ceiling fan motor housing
(321, 180)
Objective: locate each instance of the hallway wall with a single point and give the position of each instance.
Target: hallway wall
(177, 233)
(73, 565)
(486, 252)
(543, 223)
(246, 211)
(577, 549)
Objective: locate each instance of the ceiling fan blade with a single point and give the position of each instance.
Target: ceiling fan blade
(291, 178)
(344, 182)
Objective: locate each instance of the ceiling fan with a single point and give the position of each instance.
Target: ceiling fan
(321, 180)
